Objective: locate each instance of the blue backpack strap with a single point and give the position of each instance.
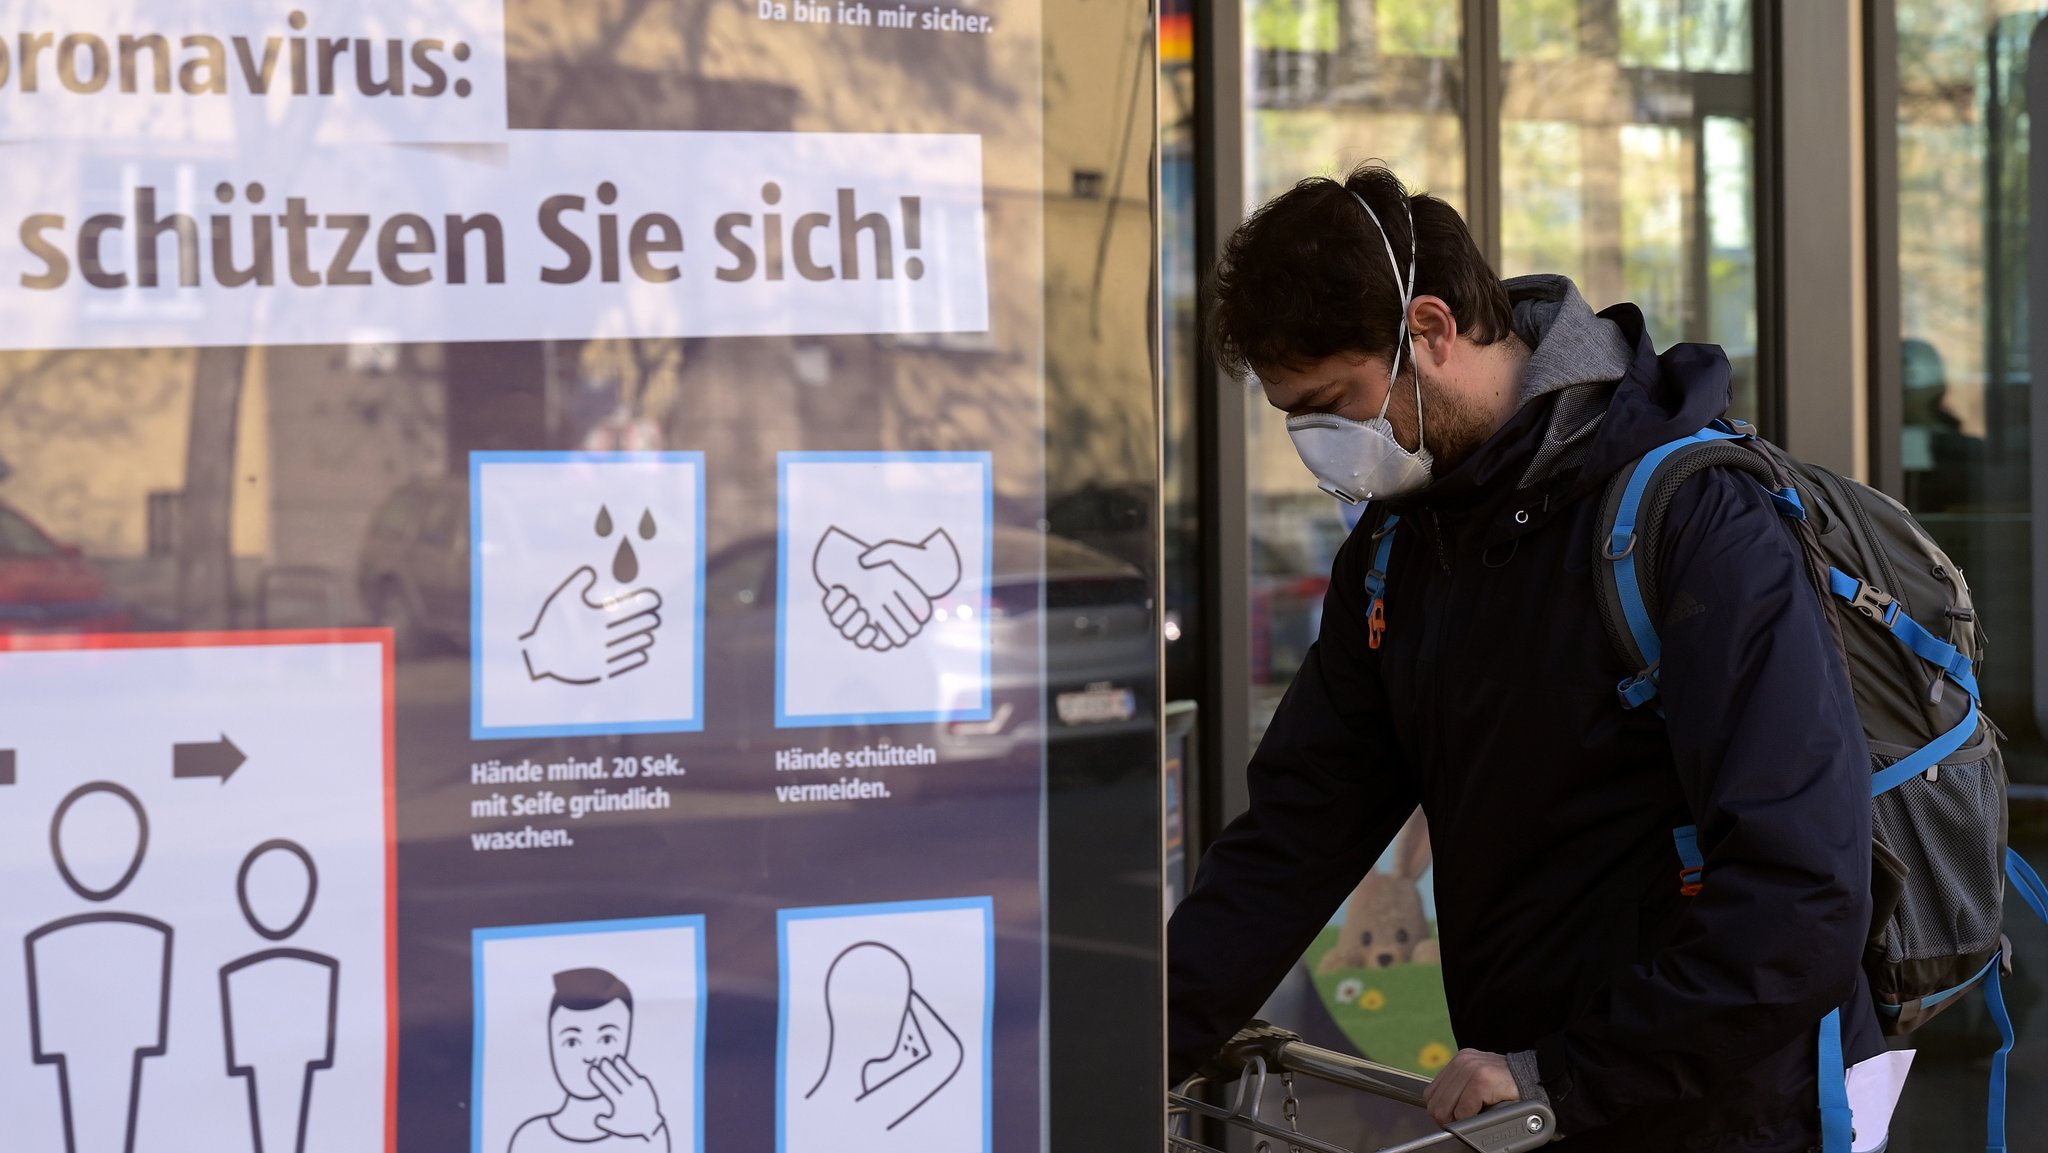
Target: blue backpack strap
(1376, 581)
(1994, 1112)
(1620, 550)
(1692, 866)
(1931, 1000)
(1837, 1122)
(1884, 609)
(1994, 999)
(1927, 756)
(2027, 883)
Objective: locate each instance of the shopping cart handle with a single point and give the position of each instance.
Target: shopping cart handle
(1283, 1049)
(1261, 1049)
(1515, 1127)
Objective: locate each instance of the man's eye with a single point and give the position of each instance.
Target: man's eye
(570, 1042)
(608, 1042)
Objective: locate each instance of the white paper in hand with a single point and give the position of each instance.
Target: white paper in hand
(1874, 1087)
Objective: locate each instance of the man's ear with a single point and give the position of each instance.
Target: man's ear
(1434, 327)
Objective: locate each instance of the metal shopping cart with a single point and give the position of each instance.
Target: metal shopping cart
(1264, 1052)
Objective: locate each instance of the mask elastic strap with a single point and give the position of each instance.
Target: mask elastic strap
(1407, 298)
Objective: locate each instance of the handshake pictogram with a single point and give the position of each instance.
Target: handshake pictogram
(880, 596)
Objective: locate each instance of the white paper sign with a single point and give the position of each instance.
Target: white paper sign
(552, 236)
(252, 72)
(195, 948)
(589, 1035)
(587, 579)
(886, 567)
(885, 1028)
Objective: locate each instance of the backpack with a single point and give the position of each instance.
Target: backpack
(1905, 625)
(1907, 630)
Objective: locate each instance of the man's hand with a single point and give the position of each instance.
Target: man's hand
(635, 1112)
(580, 639)
(932, 564)
(875, 605)
(1473, 1082)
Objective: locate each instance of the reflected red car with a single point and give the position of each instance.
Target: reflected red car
(1287, 610)
(48, 587)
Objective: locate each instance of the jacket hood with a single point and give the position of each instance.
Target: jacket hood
(1568, 344)
(1573, 431)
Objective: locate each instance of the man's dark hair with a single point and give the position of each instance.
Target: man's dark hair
(584, 989)
(1306, 276)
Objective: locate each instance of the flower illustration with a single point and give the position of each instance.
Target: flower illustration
(1348, 990)
(1435, 1055)
(1373, 1000)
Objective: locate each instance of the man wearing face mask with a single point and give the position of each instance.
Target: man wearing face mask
(1481, 420)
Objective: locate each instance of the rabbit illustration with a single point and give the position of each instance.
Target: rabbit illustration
(1384, 923)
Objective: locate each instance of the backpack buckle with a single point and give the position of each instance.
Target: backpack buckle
(1873, 602)
(1689, 880)
(1639, 689)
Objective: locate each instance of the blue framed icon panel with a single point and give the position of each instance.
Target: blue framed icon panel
(985, 707)
(478, 730)
(785, 917)
(479, 1014)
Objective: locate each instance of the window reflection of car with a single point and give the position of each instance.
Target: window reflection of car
(46, 586)
(1097, 622)
(1287, 609)
(413, 572)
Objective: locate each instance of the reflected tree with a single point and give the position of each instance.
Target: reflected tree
(206, 510)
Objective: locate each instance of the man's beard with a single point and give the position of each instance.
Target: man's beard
(1452, 427)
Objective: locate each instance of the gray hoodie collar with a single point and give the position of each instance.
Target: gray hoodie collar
(1573, 351)
(1568, 343)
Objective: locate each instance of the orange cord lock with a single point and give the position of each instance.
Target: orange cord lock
(1376, 624)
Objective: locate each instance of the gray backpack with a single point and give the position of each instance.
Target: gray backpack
(1904, 622)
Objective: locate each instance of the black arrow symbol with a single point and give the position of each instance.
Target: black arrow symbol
(207, 759)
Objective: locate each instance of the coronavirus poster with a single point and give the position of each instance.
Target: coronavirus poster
(548, 650)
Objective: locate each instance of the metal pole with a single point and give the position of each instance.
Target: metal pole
(1221, 454)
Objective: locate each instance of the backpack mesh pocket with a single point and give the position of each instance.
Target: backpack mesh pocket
(1955, 878)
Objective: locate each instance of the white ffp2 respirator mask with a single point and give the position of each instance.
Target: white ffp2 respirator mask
(1357, 460)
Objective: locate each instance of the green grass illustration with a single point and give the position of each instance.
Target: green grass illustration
(1395, 1016)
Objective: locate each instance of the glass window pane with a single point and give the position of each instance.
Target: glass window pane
(1965, 136)
(1628, 163)
(1538, 29)
(1542, 224)
(1731, 235)
(1335, 83)
(1686, 35)
(1418, 28)
(1655, 162)
(465, 474)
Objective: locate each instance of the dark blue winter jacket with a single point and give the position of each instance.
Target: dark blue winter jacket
(1659, 1021)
